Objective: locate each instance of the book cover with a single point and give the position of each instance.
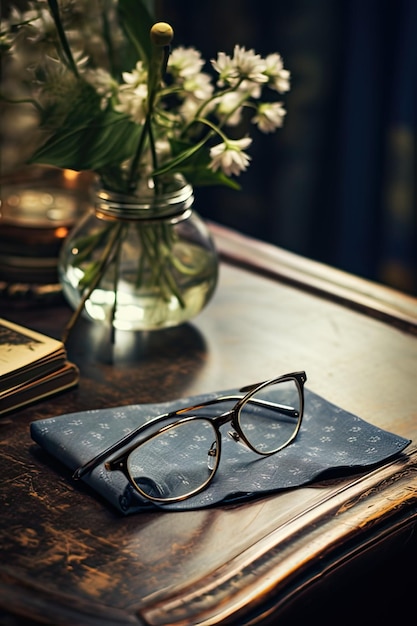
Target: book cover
(32, 366)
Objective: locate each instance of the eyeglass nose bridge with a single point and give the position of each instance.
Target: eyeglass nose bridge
(230, 416)
(224, 418)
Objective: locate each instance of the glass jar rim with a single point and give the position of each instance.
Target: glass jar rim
(175, 199)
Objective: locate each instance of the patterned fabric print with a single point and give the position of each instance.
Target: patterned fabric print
(331, 442)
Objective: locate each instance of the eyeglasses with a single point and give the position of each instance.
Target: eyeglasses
(175, 461)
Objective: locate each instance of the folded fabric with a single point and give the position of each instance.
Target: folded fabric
(331, 442)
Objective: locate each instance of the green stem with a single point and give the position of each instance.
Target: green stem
(108, 41)
(157, 254)
(169, 165)
(156, 71)
(214, 129)
(201, 108)
(87, 244)
(94, 281)
(53, 6)
(132, 180)
(117, 258)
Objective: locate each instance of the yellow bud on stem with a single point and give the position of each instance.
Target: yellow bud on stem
(161, 34)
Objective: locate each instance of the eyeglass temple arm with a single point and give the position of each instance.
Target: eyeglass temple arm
(90, 465)
(118, 445)
(115, 447)
(280, 408)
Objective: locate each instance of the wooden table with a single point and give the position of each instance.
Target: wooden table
(333, 552)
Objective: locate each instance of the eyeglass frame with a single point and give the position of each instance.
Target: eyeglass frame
(232, 415)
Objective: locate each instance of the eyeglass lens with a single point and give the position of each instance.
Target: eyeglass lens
(271, 417)
(180, 460)
(176, 462)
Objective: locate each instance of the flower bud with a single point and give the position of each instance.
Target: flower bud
(161, 34)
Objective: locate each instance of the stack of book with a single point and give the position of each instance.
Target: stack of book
(32, 366)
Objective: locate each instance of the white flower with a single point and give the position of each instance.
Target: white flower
(229, 107)
(269, 116)
(137, 77)
(278, 77)
(132, 102)
(185, 62)
(229, 156)
(226, 68)
(249, 65)
(163, 148)
(133, 94)
(198, 86)
(252, 90)
(103, 82)
(191, 109)
(245, 65)
(187, 109)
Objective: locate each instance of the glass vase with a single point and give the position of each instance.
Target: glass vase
(141, 262)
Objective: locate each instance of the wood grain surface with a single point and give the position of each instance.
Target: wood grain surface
(68, 558)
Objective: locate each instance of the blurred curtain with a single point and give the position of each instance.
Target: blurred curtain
(377, 165)
(338, 182)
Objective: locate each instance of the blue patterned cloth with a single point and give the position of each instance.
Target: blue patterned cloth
(331, 442)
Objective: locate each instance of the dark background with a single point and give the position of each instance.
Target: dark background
(338, 182)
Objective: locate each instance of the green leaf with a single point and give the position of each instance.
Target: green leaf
(91, 145)
(203, 176)
(179, 157)
(137, 20)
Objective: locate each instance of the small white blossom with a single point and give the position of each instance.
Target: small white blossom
(187, 109)
(133, 94)
(132, 102)
(226, 68)
(163, 148)
(134, 123)
(229, 156)
(198, 86)
(185, 62)
(245, 65)
(229, 108)
(103, 82)
(191, 109)
(250, 66)
(137, 77)
(270, 116)
(252, 90)
(278, 77)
